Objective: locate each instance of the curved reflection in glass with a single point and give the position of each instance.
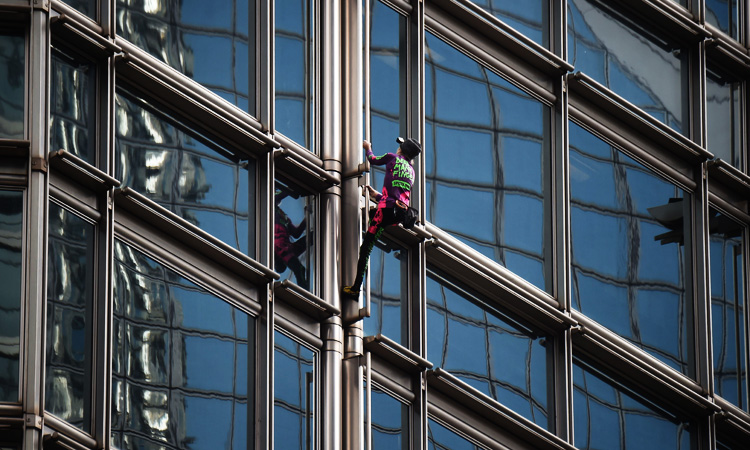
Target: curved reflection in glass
(488, 350)
(294, 235)
(724, 117)
(442, 438)
(294, 394)
(12, 85)
(73, 106)
(294, 61)
(646, 70)
(529, 17)
(609, 416)
(487, 162)
(167, 333)
(70, 284)
(210, 42)
(389, 284)
(11, 244)
(180, 170)
(630, 230)
(390, 422)
(728, 310)
(724, 15)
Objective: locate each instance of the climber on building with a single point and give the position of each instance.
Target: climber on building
(399, 178)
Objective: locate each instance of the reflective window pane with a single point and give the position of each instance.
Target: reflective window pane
(644, 69)
(608, 416)
(724, 116)
(294, 394)
(294, 235)
(724, 15)
(390, 422)
(70, 284)
(389, 292)
(12, 85)
(441, 438)
(487, 162)
(167, 332)
(294, 71)
(530, 17)
(11, 245)
(185, 173)
(210, 42)
(728, 311)
(73, 106)
(388, 98)
(85, 7)
(629, 232)
(488, 350)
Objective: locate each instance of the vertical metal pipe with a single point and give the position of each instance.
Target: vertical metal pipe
(36, 240)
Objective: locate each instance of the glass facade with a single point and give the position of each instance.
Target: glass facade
(73, 106)
(12, 85)
(609, 416)
(294, 394)
(11, 258)
(642, 67)
(488, 350)
(728, 310)
(185, 173)
(486, 159)
(175, 282)
(631, 268)
(295, 81)
(70, 302)
(168, 333)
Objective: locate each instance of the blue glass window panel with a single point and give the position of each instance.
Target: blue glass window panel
(530, 18)
(11, 240)
(201, 40)
(615, 243)
(647, 71)
(724, 117)
(294, 365)
(12, 85)
(620, 421)
(293, 74)
(388, 293)
(724, 14)
(390, 426)
(486, 351)
(165, 161)
(294, 243)
(70, 295)
(165, 378)
(441, 438)
(485, 157)
(73, 106)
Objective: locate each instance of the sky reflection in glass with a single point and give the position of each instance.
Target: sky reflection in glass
(724, 116)
(390, 422)
(441, 438)
(607, 416)
(178, 169)
(644, 69)
(486, 155)
(728, 310)
(530, 17)
(294, 394)
(389, 266)
(628, 249)
(487, 350)
(725, 15)
(167, 331)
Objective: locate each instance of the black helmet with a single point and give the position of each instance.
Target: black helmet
(411, 148)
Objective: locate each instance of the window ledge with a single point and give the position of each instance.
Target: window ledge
(193, 236)
(81, 171)
(396, 354)
(302, 299)
(730, 176)
(493, 411)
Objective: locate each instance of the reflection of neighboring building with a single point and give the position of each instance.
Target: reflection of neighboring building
(181, 202)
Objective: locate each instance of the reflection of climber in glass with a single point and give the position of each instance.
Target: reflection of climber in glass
(286, 249)
(399, 178)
